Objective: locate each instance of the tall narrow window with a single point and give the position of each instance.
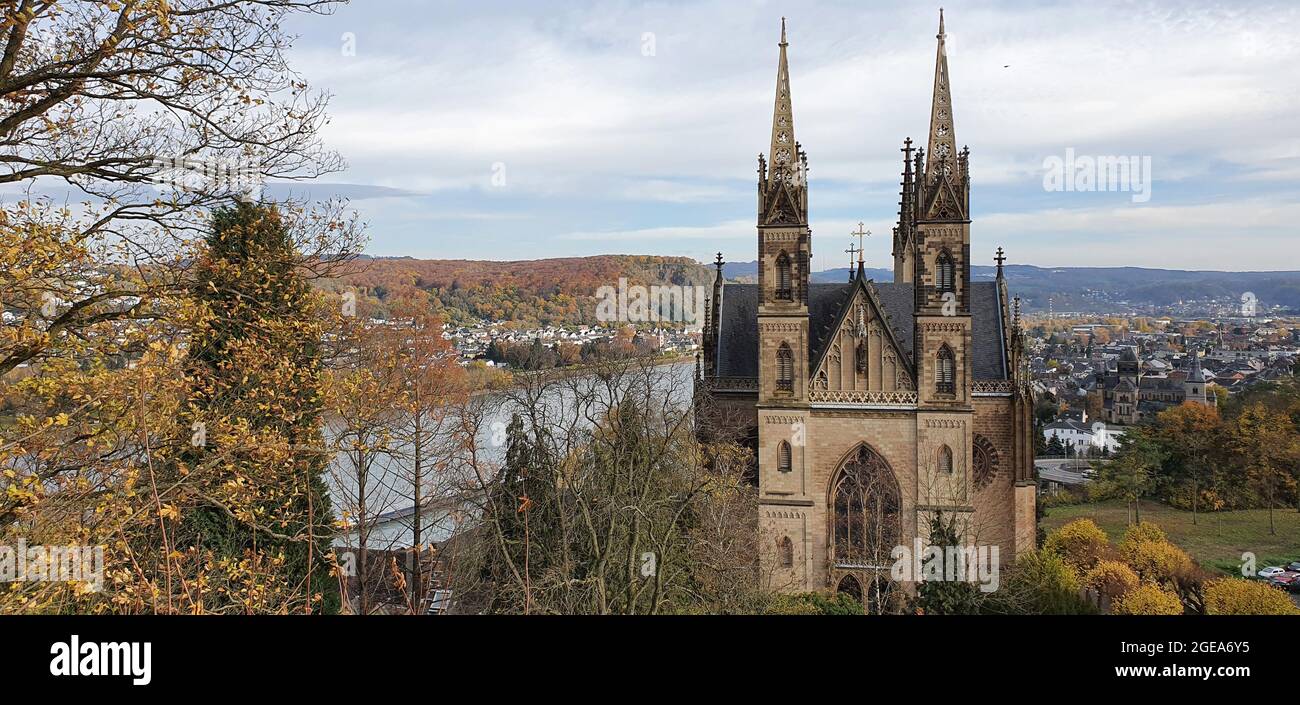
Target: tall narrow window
(945, 377)
(866, 505)
(784, 292)
(785, 547)
(945, 460)
(784, 463)
(945, 273)
(784, 368)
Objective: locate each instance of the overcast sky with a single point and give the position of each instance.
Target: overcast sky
(630, 127)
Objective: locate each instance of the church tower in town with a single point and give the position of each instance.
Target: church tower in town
(784, 254)
(871, 408)
(941, 282)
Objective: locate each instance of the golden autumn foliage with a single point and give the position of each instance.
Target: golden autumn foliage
(1147, 574)
(558, 291)
(1148, 599)
(1111, 578)
(1081, 543)
(1142, 531)
(1236, 596)
(1156, 561)
(128, 451)
(102, 408)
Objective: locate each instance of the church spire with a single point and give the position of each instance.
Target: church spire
(941, 152)
(783, 154)
(783, 176)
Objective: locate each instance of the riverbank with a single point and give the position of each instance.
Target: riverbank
(573, 370)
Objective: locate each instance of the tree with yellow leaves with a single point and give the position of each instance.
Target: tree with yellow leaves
(147, 113)
(1237, 596)
(1192, 433)
(1148, 599)
(1267, 441)
(1081, 543)
(1111, 578)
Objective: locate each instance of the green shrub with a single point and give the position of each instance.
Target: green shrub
(814, 603)
(1040, 582)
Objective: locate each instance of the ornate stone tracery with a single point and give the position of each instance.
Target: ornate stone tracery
(866, 519)
(986, 462)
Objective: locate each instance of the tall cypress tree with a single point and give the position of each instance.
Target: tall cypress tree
(260, 518)
(944, 596)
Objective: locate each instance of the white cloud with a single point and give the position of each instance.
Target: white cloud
(1206, 236)
(721, 231)
(566, 100)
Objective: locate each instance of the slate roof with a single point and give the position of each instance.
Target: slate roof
(738, 342)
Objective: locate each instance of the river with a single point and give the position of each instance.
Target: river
(389, 490)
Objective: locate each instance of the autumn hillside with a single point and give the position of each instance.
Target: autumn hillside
(528, 293)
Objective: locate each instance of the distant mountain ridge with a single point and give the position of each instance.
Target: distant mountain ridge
(1104, 289)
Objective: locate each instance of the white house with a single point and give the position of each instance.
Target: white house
(1085, 438)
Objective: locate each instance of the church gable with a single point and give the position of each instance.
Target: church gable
(861, 353)
(783, 207)
(944, 203)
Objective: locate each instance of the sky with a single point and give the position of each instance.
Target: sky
(521, 130)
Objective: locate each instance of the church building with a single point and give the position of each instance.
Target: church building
(1129, 395)
(872, 407)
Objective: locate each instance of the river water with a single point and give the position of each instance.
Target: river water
(389, 489)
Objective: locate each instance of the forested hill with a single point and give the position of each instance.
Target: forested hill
(528, 293)
(562, 291)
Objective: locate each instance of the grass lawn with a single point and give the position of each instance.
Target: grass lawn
(1216, 541)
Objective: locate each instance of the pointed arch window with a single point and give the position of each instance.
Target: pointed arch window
(785, 549)
(784, 368)
(784, 290)
(784, 459)
(945, 372)
(945, 277)
(945, 460)
(866, 519)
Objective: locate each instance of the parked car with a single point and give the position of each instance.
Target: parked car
(1269, 572)
(1283, 581)
(1293, 566)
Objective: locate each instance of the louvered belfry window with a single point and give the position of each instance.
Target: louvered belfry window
(945, 375)
(784, 290)
(784, 368)
(945, 273)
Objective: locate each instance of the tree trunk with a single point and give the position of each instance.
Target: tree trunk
(417, 578)
(1272, 500)
(1195, 496)
(363, 595)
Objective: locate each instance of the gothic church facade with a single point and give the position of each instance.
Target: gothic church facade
(872, 407)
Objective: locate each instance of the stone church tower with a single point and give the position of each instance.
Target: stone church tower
(943, 332)
(871, 407)
(783, 253)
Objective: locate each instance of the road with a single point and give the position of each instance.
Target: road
(1062, 470)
